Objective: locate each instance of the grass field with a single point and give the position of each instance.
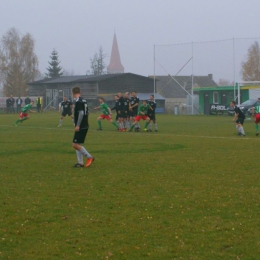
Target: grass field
(190, 191)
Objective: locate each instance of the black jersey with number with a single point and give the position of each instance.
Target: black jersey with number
(153, 106)
(66, 106)
(115, 106)
(81, 105)
(239, 112)
(126, 104)
(133, 101)
(120, 104)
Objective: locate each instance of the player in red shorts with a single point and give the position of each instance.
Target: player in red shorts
(106, 114)
(142, 114)
(23, 115)
(256, 114)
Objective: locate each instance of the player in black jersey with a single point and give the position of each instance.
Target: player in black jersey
(239, 118)
(126, 112)
(116, 106)
(151, 114)
(134, 103)
(66, 108)
(120, 111)
(81, 129)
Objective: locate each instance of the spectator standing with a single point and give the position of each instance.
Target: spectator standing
(39, 104)
(12, 101)
(8, 105)
(19, 102)
(27, 101)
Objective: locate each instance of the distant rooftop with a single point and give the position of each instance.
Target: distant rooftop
(81, 78)
(115, 65)
(169, 88)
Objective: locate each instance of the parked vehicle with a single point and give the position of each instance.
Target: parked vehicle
(245, 107)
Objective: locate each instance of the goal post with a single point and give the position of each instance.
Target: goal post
(251, 85)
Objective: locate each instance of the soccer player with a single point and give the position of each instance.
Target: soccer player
(120, 111)
(67, 108)
(134, 103)
(256, 114)
(106, 114)
(116, 106)
(126, 112)
(239, 118)
(142, 114)
(81, 129)
(151, 114)
(23, 114)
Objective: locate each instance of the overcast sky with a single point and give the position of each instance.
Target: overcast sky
(76, 29)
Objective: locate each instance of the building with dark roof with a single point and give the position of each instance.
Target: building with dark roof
(92, 86)
(169, 88)
(176, 91)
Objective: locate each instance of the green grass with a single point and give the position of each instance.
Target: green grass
(190, 191)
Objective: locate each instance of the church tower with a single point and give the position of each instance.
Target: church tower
(115, 65)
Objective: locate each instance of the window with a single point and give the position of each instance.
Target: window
(215, 97)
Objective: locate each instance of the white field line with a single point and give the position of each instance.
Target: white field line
(160, 134)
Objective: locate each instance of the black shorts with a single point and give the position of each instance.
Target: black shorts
(64, 113)
(120, 113)
(133, 113)
(240, 121)
(79, 137)
(152, 116)
(125, 114)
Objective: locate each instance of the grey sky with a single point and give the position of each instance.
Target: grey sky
(76, 29)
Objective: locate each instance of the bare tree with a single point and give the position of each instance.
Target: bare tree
(69, 72)
(251, 67)
(97, 64)
(225, 82)
(18, 62)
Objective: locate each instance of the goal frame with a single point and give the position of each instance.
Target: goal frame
(238, 86)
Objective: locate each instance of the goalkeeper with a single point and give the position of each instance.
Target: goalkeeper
(23, 114)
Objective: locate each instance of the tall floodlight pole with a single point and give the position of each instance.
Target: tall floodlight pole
(234, 68)
(192, 109)
(154, 71)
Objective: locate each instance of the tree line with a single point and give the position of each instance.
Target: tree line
(19, 63)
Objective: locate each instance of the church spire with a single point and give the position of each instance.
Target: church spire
(115, 65)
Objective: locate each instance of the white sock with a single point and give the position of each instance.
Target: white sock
(150, 126)
(241, 130)
(85, 152)
(155, 126)
(60, 121)
(79, 157)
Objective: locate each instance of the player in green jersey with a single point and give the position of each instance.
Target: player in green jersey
(142, 114)
(106, 114)
(24, 115)
(256, 114)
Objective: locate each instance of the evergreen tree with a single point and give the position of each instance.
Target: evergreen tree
(54, 70)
